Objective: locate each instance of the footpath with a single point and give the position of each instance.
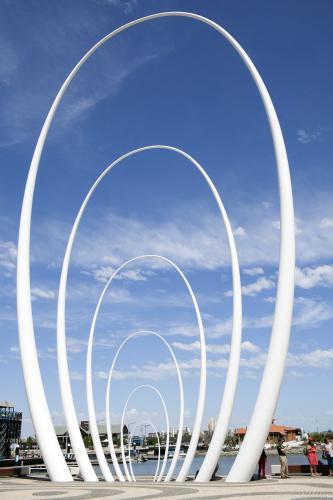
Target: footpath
(304, 488)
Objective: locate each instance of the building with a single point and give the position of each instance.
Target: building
(211, 425)
(275, 433)
(64, 440)
(10, 427)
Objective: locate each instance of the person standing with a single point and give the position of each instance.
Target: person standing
(328, 454)
(281, 449)
(17, 455)
(312, 457)
(262, 465)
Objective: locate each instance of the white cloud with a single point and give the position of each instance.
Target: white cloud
(9, 62)
(215, 348)
(103, 273)
(318, 358)
(195, 346)
(239, 231)
(255, 362)
(258, 286)
(305, 137)
(310, 313)
(8, 256)
(39, 293)
(76, 376)
(253, 271)
(108, 241)
(326, 222)
(249, 346)
(310, 277)
(127, 6)
(253, 289)
(75, 345)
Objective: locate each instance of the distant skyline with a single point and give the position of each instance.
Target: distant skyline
(174, 82)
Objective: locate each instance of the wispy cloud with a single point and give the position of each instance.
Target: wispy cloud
(214, 348)
(8, 256)
(126, 6)
(254, 288)
(9, 62)
(305, 137)
(42, 293)
(253, 271)
(309, 277)
(195, 346)
(255, 361)
(108, 242)
(103, 273)
(318, 358)
(22, 111)
(74, 375)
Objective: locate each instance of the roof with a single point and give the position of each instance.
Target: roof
(61, 430)
(274, 429)
(6, 404)
(115, 428)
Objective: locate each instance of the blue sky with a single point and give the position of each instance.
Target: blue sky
(175, 82)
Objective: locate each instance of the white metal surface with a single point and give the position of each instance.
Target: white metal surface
(165, 459)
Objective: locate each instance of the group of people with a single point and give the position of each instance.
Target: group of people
(309, 451)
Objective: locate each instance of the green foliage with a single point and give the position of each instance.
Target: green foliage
(88, 443)
(30, 441)
(320, 436)
(152, 440)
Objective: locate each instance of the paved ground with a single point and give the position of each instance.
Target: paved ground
(305, 488)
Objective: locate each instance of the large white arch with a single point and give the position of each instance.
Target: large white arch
(232, 373)
(158, 444)
(165, 459)
(273, 374)
(108, 390)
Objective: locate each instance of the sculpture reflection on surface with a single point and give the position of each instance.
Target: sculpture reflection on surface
(271, 382)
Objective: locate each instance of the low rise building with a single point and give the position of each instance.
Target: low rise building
(64, 440)
(275, 433)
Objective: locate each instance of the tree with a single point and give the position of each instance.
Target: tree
(152, 440)
(30, 441)
(88, 443)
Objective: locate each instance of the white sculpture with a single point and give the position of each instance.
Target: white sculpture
(272, 378)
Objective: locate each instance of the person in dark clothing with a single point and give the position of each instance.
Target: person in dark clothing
(262, 465)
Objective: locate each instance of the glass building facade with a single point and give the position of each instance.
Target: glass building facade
(10, 427)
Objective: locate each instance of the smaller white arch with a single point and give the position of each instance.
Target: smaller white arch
(165, 459)
(107, 405)
(89, 386)
(158, 444)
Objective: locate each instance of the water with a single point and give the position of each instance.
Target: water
(149, 468)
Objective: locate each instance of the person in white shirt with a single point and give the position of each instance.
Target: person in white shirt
(328, 454)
